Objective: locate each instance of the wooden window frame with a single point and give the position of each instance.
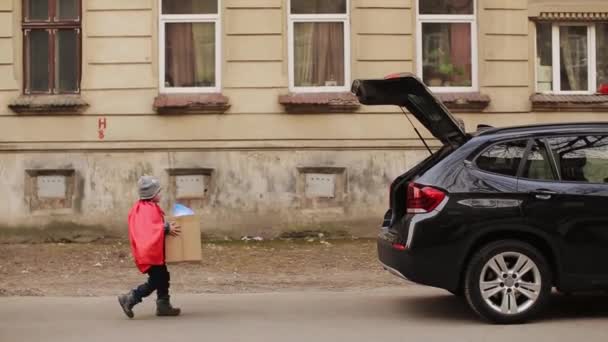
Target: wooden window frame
(52, 24)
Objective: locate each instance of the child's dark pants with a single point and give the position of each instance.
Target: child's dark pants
(158, 280)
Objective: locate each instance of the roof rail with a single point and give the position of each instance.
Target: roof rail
(541, 126)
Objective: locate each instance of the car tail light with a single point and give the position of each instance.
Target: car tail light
(399, 247)
(423, 199)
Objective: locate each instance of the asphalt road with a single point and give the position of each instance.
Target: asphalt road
(403, 314)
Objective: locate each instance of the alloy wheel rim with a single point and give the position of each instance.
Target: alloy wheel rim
(510, 283)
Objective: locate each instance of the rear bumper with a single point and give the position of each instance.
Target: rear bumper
(418, 266)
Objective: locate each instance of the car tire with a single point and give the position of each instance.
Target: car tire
(516, 298)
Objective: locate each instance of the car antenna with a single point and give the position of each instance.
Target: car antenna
(416, 130)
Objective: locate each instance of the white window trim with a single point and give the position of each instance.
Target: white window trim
(556, 61)
(449, 19)
(190, 18)
(313, 18)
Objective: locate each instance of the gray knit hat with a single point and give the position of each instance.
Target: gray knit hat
(148, 187)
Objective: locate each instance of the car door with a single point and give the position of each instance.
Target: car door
(490, 187)
(543, 205)
(562, 202)
(582, 162)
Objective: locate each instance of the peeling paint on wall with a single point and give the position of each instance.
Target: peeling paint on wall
(253, 192)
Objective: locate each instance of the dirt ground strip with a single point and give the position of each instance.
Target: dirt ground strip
(106, 268)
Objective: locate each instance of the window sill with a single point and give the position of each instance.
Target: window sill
(191, 104)
(312, 103)
(464, 102)
(48, 104)
(569, 103)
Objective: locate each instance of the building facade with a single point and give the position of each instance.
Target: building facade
(242, 107)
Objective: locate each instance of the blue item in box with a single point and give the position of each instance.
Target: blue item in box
(181, 210)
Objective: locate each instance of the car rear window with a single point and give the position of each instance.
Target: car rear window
(503, 158)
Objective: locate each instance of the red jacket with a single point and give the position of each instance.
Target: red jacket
(147, 234)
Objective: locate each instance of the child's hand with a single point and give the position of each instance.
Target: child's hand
(174, 229)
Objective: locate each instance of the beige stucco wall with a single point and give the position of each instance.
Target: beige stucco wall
(255, 142)
(120, 72)
(120, 55)
(9, 53)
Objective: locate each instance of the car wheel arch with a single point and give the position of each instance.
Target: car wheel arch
(535, 239)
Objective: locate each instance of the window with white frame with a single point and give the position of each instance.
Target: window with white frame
(190, 59)
(571, 58)
(447, 44)
(319, 45)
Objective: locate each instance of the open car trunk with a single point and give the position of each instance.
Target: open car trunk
(406, 90)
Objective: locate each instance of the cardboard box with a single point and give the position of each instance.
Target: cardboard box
(186, 247)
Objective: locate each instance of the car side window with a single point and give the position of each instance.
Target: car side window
(582, 158)
(503, 158)
(538, 163)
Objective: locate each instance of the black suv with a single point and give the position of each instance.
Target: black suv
(500, 216)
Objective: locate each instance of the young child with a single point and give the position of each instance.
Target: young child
(147, 230)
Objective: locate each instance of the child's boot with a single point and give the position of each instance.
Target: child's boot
(164, 308)
(127, 302)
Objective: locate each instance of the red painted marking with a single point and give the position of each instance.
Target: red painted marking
(102, 123)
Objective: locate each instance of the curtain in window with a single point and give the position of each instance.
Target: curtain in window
(180, 55)
(460, 53)
(204, 46)
(303, 51)
(189, 47)
(190, 55)
(573, 50)
(601, 44)
(319, 54)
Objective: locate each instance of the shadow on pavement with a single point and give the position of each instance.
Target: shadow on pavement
(437, 307)
(451, 308)
(586, 306)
